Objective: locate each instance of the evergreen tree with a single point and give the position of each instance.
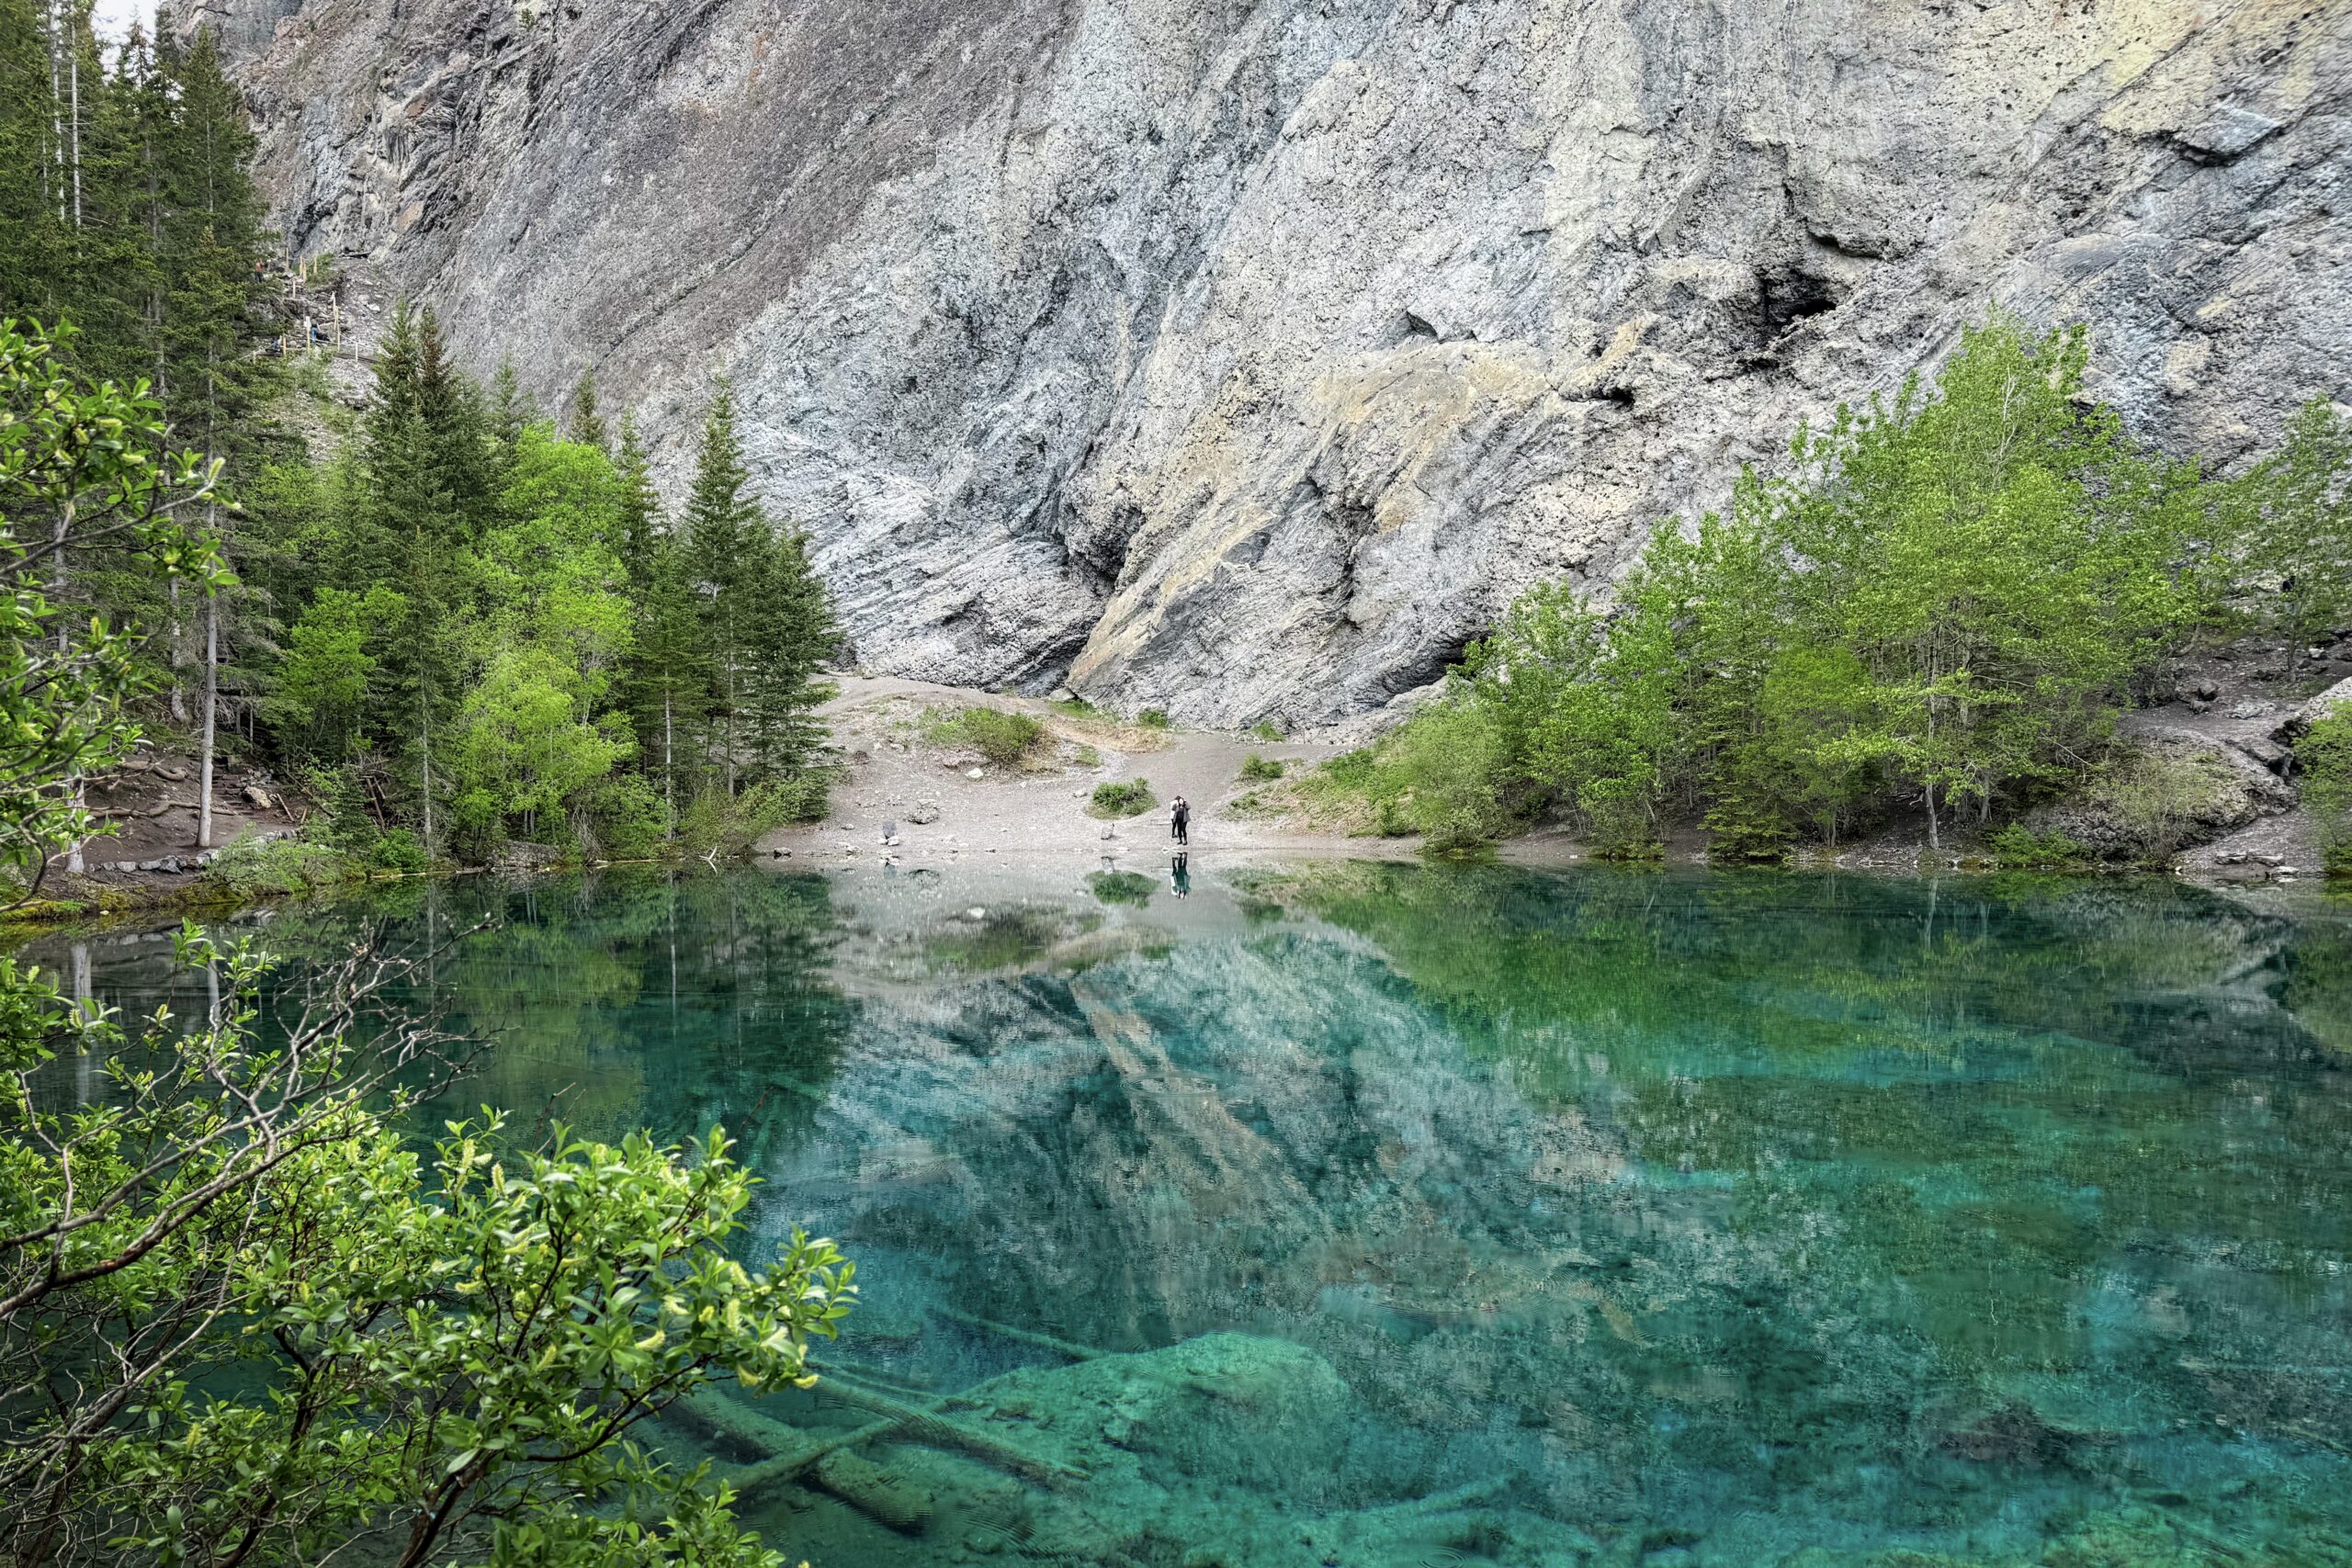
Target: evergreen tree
(415, 525)
(725, 532)
(212, 238)
(788, 631)
(670, 679)
(584, 423)
(509, 412)
(636, 506)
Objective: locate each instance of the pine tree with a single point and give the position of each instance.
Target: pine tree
(510, 412)
(638, 508)
(212, 237)
(669, 675)
(584, 423)
(415, 525)
(470, 445)
(789, 630)
(35, 253)
(724, 528)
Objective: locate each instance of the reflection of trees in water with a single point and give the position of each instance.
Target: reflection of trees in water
(622, 999)
(2002, 1114)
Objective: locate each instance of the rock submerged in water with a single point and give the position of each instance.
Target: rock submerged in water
(1231, 1407)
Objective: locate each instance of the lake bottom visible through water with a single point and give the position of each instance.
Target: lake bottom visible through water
(1387, 1215)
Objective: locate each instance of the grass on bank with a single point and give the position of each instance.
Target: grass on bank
(1122, 797)
(1003, 737)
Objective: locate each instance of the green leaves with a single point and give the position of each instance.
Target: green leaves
(1941, 604)
(84, 475)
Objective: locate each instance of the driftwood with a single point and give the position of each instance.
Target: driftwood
(768, 1474)
(877, 1377)
(923, 1425)
(1069, 1348)
(873, 1490)
(736, 1426)
(793, 1452)
(790, 1453)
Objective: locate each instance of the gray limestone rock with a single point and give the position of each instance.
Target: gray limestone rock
(1244, 357)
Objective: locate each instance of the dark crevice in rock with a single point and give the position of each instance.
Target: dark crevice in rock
(1429, 665)
(1787, 295)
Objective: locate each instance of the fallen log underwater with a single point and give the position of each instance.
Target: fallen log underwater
(794, 1453)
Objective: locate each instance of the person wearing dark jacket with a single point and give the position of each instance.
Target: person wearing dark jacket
(1179, 821)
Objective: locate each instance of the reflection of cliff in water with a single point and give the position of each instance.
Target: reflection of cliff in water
(1670, 1201)
(1387, 1215)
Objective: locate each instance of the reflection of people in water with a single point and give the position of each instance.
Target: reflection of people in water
(1180, 876)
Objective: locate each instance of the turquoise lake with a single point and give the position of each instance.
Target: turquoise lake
(1375, 1215)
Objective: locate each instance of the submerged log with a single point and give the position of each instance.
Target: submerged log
(879, 1493)
(925, 1426)
(736, 1426)
(752, 1480)
(1060, 1346)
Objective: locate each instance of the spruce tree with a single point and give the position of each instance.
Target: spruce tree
(637, 506)
(412, 518)
(472, 448)
(582, 422)
(788, 631)
(724, 528)
(669, 675)
(509, 412)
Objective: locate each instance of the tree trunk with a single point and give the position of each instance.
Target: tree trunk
(57, 596)
(1934, 840)
(669, 767)
(56, 106)
(73, 109)
(426, 727)
(179, 687)
(211, 711)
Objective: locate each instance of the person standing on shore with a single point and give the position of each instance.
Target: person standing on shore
(1179, 821)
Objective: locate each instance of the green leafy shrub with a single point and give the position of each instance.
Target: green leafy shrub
(1261, 770)
(2158, 800)
(2018, 847)
(2295, 513)
(1448, 770)
(732, 824)
(1123, 797)
(1002, 737)
(627, 819)
(1122, 887)
(398, 851)
(2323, 765)
(252, 865)
(1267, 730)
(1153, 718)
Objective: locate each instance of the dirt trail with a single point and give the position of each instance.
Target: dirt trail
(1040, 808)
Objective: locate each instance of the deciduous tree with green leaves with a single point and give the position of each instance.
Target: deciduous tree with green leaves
(242, 1320)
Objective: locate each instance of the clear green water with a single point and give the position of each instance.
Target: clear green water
(1427, 1216)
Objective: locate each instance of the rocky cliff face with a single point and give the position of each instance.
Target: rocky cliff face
(1243, 357)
